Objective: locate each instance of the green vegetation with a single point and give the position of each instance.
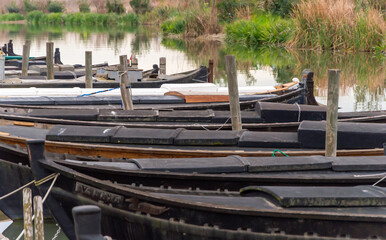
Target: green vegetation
(29, 6)
(84, 6)
(11, 17)
(348, 25)
(140, 6)
(345, 26)
(55, 7)
(13, 8)
(86, 19)
(265, 29)
(115, 6)
(193, 22)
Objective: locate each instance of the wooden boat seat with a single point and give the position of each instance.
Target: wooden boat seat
(92, 134)
(25, 132)
(127, 115)
(145, 136)
(246, 117)
(186, 115)
(269, 139)
(231, 164)
(84, 114)
(128, 166)
(207, 138)
(312, 134)
(365, 196)
(281, 164)
(373, 163)
(279, 112)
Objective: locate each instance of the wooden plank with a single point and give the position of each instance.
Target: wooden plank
(25, 124)
(199, 97)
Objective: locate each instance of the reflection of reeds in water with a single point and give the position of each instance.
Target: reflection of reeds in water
(362, 72)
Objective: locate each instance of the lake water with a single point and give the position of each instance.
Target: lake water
(362, 85)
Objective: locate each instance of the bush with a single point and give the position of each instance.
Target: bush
(55, 7)
(262, 30)
(29, 6)
(175, 25)
(84, 6)
(140, 6)
(13, 8)
(34, 16)
(280, 7)
(227, 9)
(11, 17)
(115, 6)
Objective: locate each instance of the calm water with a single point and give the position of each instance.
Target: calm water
(363, 75)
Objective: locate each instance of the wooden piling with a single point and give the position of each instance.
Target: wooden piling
(39, 222)
(332, 112)
(2, 67)
(88, 64)
(27, 214)
(162, 65)
(134, 62)
(233, 90)
(127, 101)
(50, 60)
(210, 77)
(25, 59)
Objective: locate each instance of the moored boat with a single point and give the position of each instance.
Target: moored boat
(324, 212)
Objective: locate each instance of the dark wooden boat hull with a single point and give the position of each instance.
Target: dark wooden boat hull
(72, 189)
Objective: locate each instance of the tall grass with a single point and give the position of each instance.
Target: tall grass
(11, 17)
(86, 19)
(338, 25)
(261, 30)
(193, 22)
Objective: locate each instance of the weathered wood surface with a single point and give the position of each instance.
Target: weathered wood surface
(27, 214)
(50, 60)
(233, 90)
(332, 112)
(88, 65)
(25, 59)
(162, 65)
(127, 101)
(137, 152)
(39, 219)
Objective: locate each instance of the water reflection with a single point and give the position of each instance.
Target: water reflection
(362, 84)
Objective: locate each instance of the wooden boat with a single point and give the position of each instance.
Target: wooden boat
(327, 212)
(266, 117)
(221, 175)
(118, 142)
(193, 76)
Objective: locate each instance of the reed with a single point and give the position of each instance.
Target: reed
(84, 19)
(11, 17)
(261, 30)
(338, 25)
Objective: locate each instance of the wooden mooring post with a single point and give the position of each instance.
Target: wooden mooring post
(88, 63)
(127, 101)
(134, 62)
(39, 220)
(50, 60)
(233, 90)
(2, 67)
(332, 112)
(27, 214)
(25, 60)
(162, 65)
(210, 76)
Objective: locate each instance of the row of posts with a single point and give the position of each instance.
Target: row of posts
(33, 216)
(230, 61)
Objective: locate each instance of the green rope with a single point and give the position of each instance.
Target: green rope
(277, 150)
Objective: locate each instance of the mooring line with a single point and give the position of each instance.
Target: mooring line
(39, 182)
